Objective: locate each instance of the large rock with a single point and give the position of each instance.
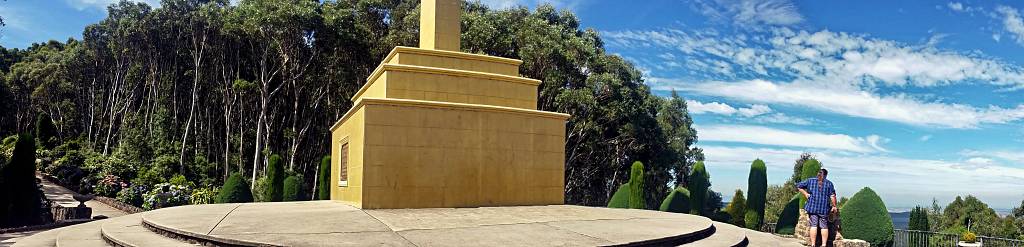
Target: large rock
(802, 228)
(852, 243)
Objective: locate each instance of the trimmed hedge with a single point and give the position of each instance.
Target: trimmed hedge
(274, 190)
(790, 215)
(292, 189)
(621, 197)
(810, 170)
(235, 190)
(865, 217)
(323, 189)
(677, 201)
(636, 186)
(698, 186)
(757, 190)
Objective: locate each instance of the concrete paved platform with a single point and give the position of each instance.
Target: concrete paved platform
(81, 235)
(326, 223)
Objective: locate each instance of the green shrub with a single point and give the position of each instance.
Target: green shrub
(757, 192)
(790, 215)
(292, 189)
(621, 197)
(865, 217)
(324, 179)
(677, 201)
(20, 198)
(752, 219)
(235, 190)
(180, 180)
(810, 170)
(737, 209)
(274, 189)
(636, 186)
(203, 196)
(698, 186)
(45, 131)
(109, 185)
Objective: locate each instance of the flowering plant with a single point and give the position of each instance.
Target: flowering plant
(166, 195)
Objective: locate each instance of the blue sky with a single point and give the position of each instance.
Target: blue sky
(916, 99)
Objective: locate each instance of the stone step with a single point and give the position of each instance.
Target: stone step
(128, 231)
(41, 239)
(726, 235)
(82, 235)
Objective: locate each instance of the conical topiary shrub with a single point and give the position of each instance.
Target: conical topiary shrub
(292, 189)
(274, 189)
(757, 190)
(789, 216)
(636, 186)
(698, 185)
(621, 197)
(677, 201)
(235, 190)
(865, 217)
(323, 187)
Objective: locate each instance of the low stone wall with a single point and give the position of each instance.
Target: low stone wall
(127, 208)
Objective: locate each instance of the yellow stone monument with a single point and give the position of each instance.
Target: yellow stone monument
(435, 127)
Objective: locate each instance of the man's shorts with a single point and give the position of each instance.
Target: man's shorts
(819, 221)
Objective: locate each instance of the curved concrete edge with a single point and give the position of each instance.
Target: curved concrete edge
(82, 235)
(676, 240)
(204, 238)
(46, 238)
(128, 231)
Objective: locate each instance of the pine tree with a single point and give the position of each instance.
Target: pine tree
(757, 192)
(698, 186)
(737, 209)
(274, 190)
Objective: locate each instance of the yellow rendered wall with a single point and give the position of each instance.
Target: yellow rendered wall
(352, 130)
(460, 61)
(459, 89)
(427, 156)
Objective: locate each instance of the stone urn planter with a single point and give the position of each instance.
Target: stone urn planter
(966, 244)
(82, 199)
(81, 211)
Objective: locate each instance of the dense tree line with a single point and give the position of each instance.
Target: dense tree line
(203, 88)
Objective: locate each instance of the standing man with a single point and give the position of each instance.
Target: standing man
(821, 200)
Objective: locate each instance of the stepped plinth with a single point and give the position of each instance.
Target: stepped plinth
(435, 127)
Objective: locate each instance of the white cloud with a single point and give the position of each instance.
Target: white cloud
(751, 13)
(925, 138)
(1012, 22)
(782, 118)
(757, 112)
(778, 137)
(754, 110)
(1008, 156)
(102, 4)
(906, 182)
(855, 102)
(823, 56)
(955, 6)
(697, 107)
